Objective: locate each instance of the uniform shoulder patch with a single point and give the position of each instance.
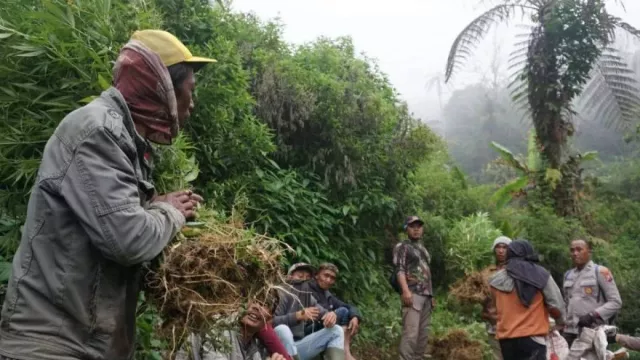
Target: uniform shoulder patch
(606, 273)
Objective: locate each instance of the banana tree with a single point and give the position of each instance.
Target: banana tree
(529, 170)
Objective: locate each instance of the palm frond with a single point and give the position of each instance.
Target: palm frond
(628, 28)
(611, 95)
(473, 33)
(634, 63)
(518, 60)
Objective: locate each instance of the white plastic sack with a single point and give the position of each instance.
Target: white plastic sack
(556, 344)
(590, 345)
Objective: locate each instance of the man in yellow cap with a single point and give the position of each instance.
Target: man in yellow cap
(94, 217)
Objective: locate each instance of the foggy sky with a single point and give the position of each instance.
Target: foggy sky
(410, 39)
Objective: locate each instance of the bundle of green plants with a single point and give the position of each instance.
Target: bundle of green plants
(214, 266)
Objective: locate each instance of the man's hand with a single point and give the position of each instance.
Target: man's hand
(276, 356)
(407, 298)
(433, 303)
(308, 314)
(587, 320)
(612, 333)
(185, 201)
(353, 327)
(329, 319)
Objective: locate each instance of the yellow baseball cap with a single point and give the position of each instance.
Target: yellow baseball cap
(168, 47)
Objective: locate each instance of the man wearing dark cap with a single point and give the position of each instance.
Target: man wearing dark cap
(300, 272)
(296, 307)
(411, 261)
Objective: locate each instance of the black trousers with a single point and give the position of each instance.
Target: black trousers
(522, 349)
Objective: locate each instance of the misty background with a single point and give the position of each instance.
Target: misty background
(410, 41)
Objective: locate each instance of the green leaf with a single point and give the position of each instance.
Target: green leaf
(508, 156)
(156, 343)
(104, 84)
(503, 195)
(275, 164)
(345, 210)
(372, 255)
(5, 35)
(8, 91)
(589, 156)
(192, 175)
(88, 99)
(553, 177)
(32, 53)
(5, 271)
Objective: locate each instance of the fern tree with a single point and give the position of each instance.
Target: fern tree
(567, 54)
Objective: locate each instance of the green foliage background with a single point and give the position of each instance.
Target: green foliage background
(313, 137)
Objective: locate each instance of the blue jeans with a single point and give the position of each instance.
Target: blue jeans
(342, 315)
(312, 345)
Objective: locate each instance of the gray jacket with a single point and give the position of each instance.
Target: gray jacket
(90, 224)
(298, 295)
(196, 349)
(589, 290)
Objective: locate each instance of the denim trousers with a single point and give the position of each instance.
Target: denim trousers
(311, 345)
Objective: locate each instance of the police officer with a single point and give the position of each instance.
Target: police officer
(590, 292)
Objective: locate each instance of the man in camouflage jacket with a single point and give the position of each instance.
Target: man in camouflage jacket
(411, 261)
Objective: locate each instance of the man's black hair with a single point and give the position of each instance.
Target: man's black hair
(179, 72)
(589, 243)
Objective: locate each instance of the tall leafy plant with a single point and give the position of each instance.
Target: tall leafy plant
(529, 171)
(568, 50)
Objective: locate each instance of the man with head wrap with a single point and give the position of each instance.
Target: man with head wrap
(525, 295)
(94, 217)
(489, 314)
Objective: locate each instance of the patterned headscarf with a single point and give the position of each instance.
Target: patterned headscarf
(144, 82)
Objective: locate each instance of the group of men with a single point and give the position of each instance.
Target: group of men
(94, 218)
(301, 320)
(524, 296)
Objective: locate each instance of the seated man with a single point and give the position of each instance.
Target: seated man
(347, 315)
(296, 306)
(244, 342)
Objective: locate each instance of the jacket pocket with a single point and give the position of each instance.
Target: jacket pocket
(418, 302)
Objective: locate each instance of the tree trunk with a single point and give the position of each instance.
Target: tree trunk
(547, 102)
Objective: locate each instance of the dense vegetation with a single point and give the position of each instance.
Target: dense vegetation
(319, 148)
